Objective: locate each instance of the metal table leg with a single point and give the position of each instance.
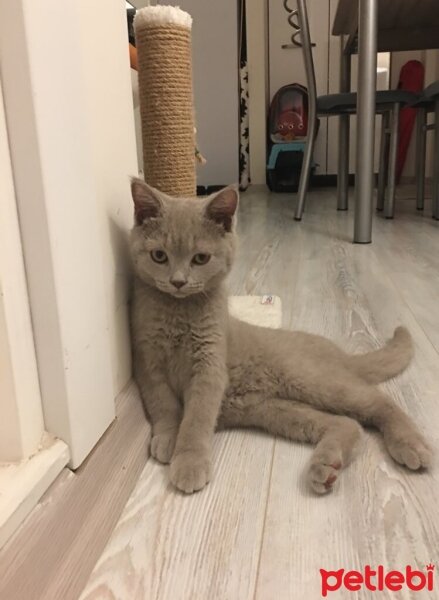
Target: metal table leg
(343, 134)
(421, 133)
(367, 63)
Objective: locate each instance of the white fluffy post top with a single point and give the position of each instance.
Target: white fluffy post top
(153, 16)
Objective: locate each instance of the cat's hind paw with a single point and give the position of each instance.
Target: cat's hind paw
(324, 471)
(410, 449)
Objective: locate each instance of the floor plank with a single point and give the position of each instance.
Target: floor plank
(168, 545)
(408, 249)
(380, 514)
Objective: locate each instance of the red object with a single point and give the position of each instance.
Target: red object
(411, 78)
(289, 124)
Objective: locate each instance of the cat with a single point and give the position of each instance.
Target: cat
(198, 369)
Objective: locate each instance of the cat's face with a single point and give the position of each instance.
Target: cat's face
(182, 246)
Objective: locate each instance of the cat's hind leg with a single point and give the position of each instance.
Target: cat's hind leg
(341, 393)
(335, 436)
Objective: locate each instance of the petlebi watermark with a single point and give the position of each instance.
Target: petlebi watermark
(378, 579)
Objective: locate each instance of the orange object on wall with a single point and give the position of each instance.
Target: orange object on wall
(133, 57)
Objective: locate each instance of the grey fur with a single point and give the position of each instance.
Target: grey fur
(199, 369)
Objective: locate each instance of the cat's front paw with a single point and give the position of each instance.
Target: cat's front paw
(162, 446)
(190, 471)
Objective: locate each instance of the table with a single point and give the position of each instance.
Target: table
(374, 26)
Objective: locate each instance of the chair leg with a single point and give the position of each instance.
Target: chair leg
(312, 107)
(393, 152)
(384, 160)
(306, 170)
(343, 163)
(435, 192)
(421, 134)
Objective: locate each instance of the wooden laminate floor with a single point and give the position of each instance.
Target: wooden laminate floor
(256, 532)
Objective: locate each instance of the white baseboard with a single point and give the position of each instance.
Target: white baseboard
(22, 484)
(53, 553)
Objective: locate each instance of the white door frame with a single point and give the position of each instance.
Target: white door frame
(30, 459)
(69, 114)
(21, 415)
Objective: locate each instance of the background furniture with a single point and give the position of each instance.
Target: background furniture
(389, 148)
(285, 66)
(377, 26)
(387, 103)
(428, 103)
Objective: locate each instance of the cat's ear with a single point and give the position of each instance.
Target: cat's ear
(222, 207)
(147, 203)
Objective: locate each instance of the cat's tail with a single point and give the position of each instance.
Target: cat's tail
(387, 362)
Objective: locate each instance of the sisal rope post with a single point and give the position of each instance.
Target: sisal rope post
(163, 40)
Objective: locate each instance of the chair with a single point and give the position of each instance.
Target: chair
(388, 104)
(429, 102)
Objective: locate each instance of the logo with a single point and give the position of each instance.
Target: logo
(378, 580)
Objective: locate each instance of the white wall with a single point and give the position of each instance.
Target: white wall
(69, 110)
(137, 120)
(109, 111)
(215, 77)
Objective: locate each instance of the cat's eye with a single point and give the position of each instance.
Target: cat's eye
(281, 127)
(201, 259)
(159, 256)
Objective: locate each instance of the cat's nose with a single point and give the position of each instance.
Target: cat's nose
(178, 283)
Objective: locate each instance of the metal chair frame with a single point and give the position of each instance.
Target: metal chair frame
(421, 141)
(390, 117)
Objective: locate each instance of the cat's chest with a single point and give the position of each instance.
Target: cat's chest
(176, 332)
(180, 342)
(177, 351)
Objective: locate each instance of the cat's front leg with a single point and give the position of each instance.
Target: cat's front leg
(163, 407)
(191, 463)
(166, 412)
(164, 437)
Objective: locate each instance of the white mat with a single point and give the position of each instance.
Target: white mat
(265, 311)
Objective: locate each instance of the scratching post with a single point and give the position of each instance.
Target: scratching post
(163, 39)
